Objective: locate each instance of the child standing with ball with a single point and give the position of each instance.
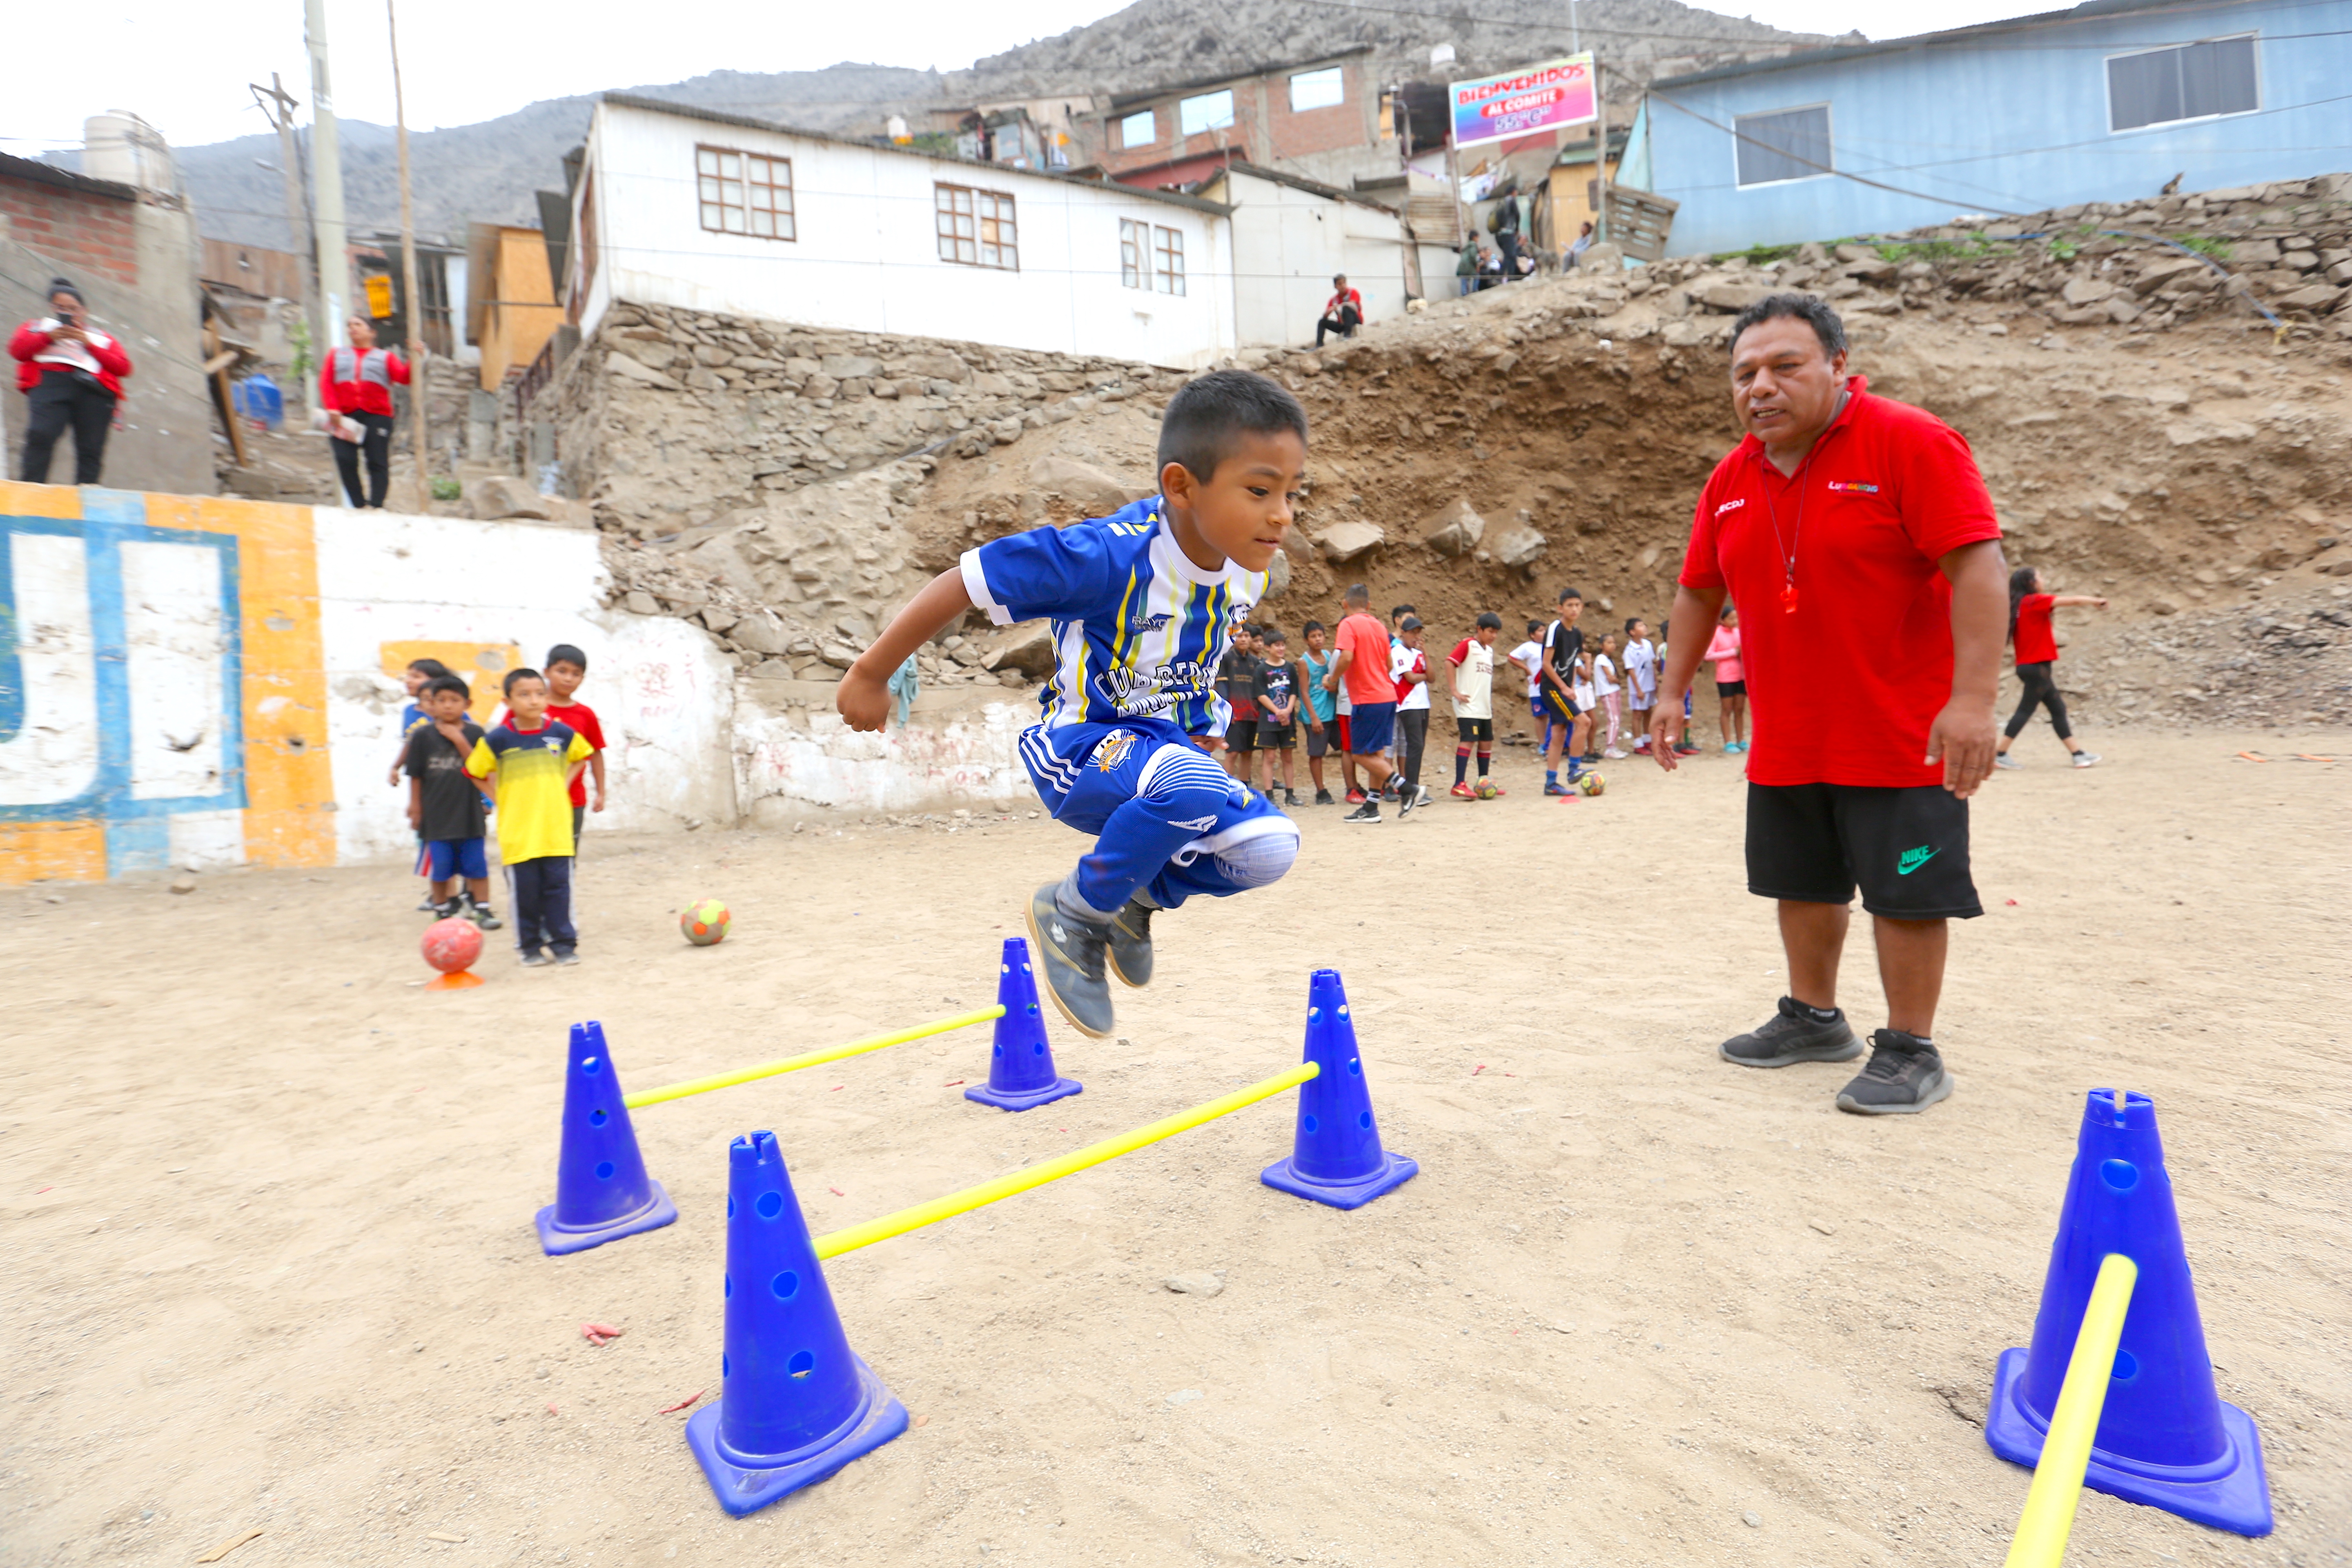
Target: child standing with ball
(1144, 604)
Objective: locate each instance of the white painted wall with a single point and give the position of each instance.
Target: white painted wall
(665, 696)
(867, 256)
(1286, 244)
(961, 746)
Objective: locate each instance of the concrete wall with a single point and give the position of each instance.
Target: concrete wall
(1286, 244)
(1263, 129)
(2015, 120)
(866, 254)
(136, 263)
(200, 682)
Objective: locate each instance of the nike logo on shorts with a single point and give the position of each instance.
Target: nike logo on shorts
(1912, 859)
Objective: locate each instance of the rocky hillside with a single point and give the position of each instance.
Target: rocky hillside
(487, 172)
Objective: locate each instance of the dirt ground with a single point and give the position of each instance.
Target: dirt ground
(268, 1206)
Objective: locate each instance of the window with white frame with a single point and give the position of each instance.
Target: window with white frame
(1150, 257)
(1317, 89)
(2194, 82)
(745, 193)
(976, 228)
(1140, 128)
(1209, 111)
(1786, 144)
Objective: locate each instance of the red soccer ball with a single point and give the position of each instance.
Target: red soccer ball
(452, 944)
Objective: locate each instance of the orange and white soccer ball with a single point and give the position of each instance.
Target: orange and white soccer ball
(704, 922)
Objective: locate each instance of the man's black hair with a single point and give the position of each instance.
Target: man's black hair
(1568, 593)
(564, 653)
(1396, 610)
(456, 683)
(1815, 313)
(1209, 412)
(431, 668)
(524, 673)
(1490, 622)
(1313, 627)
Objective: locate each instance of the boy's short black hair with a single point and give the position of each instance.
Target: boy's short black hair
(1815, 313)
(456, 683)
(432, 669)
(1631, 622)
(1534, 626)
(1273, 634)
(522, 672)
(564, 653)
(1490, 622)
(1568, 593)
(1396, 610)
(1311, 627)
(1209, 411)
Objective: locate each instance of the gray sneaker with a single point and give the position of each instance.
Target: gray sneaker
(2086, 759)
(1070, 956)
(1131, 944)
(1792, 1034)
(2003, 759)
(1906, 1074)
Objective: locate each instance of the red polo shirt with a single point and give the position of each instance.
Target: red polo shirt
(1845, 686)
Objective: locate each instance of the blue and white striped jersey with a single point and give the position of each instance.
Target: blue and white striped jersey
(1137, 628)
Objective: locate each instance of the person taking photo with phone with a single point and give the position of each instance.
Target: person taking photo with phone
(71, 374)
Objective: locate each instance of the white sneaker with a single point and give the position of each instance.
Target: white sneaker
(1613, 754)
(2003, 759)
(2086, 759)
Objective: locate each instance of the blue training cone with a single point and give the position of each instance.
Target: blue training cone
(2165, 1438)
(794, 1404)
(1336, 1157)
(602, 1191)
(1020, 1064)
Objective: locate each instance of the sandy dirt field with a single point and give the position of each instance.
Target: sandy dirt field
(270, 1265)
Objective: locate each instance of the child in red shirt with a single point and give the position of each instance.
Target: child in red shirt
(2037, 661)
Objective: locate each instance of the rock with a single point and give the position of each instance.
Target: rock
(851, 367)
(1454, 531)
(1609, 260)
(717, 620)
(1184, 1397)
(759, 633)
(1730, 298)
(1876, 269)
(649, 353)
(504, 495)
(936, 367)
(1750, 1520)
(1824, 1227)
(1195, 1284)
(1027, 648)
(2086, 290)
(637, 602)
(1517, 545)
(1344, 542)
(628, 369)
(1277, 575)
(1094, 493)
(2168, 269)
(2253, 252)
(188, 885)
(2317, 297)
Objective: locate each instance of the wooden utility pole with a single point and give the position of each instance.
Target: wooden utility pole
(279, 104)
(416, 313)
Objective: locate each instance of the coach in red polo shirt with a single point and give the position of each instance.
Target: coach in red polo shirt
(1857, 539)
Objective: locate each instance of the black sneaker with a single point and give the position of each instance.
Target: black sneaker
(534, 961)
(449, 909)
(1323, 797)
(1792, 1034)
(1405, 803)
(565, 955)
(484, 916)
(428, 906)
(1070, 960)
(1905, 1074)
(1370, 813)
(1290, 799)
(1131, 944)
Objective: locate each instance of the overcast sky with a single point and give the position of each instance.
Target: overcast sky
(185, 66)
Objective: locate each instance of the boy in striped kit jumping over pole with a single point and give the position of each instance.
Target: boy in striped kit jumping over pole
(1144, 604)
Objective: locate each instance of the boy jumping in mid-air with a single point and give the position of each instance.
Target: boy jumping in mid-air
(1144, 604)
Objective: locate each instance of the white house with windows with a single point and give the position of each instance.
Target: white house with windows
(689, 207)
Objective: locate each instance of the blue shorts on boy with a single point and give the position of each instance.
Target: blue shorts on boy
(457, 857)
(1139, 631)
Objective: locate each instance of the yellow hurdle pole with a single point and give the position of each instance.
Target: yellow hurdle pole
(2048, 1516)
(809, 1059)
(964, 1201)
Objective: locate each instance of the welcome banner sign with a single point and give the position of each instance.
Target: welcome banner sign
(1547, 97)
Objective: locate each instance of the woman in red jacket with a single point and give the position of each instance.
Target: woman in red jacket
(72, 374)
(356, 383)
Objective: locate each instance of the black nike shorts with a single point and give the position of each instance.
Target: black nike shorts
(1479, 729)
(1907, 849)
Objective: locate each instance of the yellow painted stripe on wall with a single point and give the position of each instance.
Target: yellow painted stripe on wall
(39, 501)
(51, 851)
(289, 787)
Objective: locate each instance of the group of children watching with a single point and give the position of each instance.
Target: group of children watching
(1586, 695)
(527, 765)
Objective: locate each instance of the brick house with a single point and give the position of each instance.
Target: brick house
(134, 255)
(1319, 119)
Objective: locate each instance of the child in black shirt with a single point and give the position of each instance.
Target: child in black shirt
(443, 804)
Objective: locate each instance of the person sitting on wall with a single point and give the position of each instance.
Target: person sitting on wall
(1580, 245)
(355, 386)
(1342, 313)
(71, 374)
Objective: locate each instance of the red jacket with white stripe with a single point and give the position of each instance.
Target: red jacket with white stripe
(32, 343)
(352, 382)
